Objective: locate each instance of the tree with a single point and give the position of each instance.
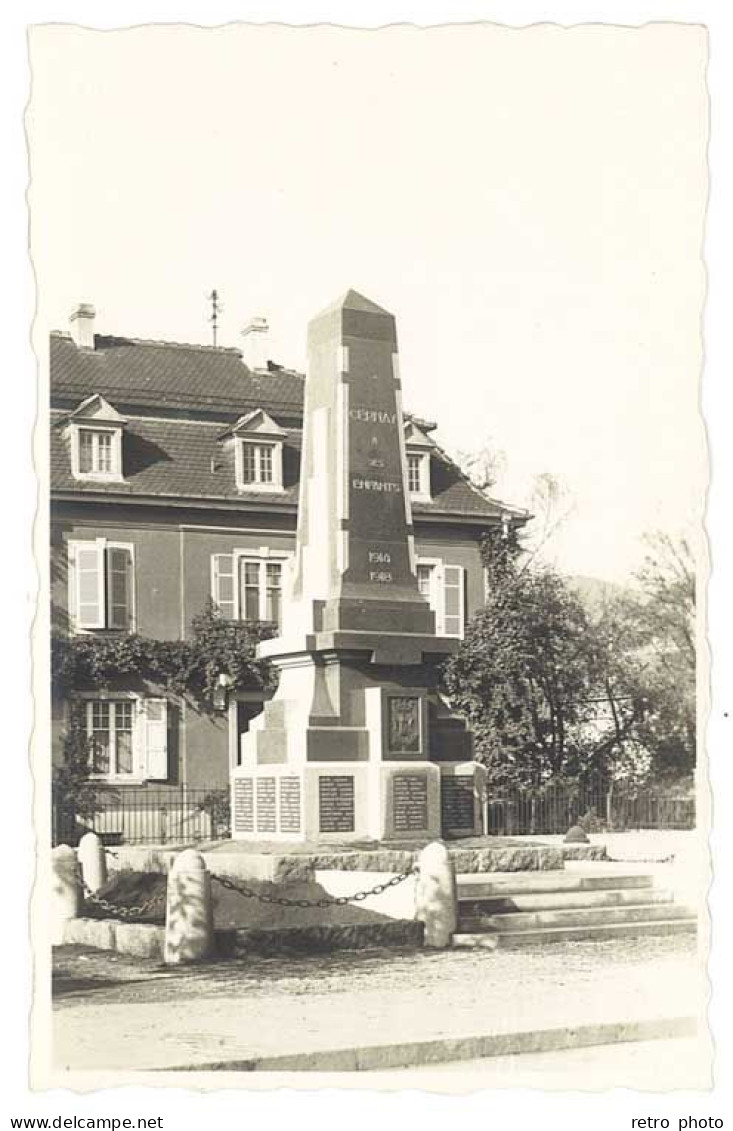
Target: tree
(643, 643)
(522, 675)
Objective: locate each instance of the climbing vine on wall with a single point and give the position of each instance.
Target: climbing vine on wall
(190, 667)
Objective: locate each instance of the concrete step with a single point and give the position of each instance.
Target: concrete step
(575, 917)
(483, 885)
(557, 900)
(509, 940)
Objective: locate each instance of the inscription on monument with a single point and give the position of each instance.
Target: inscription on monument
(289, 805)
(336, 803)
(244, 808)
(409, 802)
(379, 554)
(456, 803)
(404, 724)
(266, 805)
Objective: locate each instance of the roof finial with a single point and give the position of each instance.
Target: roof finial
(216, 309)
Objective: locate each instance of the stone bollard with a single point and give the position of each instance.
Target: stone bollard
(436, 897)
(189, 913)
(66, 895)
(93, 861)
(576, 834)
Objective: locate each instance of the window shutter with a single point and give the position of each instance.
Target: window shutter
(89, 577)
(453, 600)
(155, 736)
(119, 587)
(223, 590)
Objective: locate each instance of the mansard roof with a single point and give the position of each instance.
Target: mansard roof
(179, 400)
(135, 374)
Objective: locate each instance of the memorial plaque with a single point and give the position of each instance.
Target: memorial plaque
(244, 808)
(457, 803)
(336, 803)
(403, 721)
(409, 802)
(266, 805)
(289, 805)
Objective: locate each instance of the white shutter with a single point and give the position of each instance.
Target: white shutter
(155, 739)
(119, 587)
(223, 589)
(89, 584)
(453, 600)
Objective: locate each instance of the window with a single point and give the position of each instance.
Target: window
(101, 585)
(259, 466)
(442, 586)
(414, 481)
(248, 588)
(128, 737)
(418, 474)
(110, 727)
(98, 453)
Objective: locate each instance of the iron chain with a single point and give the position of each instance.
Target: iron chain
(326, 901)
(116, 908)
(250, 893)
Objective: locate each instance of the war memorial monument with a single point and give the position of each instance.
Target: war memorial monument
(357, 743)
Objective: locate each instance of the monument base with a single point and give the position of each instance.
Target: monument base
(339, 802)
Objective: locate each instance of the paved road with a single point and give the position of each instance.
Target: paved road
(114, 1013)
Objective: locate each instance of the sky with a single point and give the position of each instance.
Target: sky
(529, 204)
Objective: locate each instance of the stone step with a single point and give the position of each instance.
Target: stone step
(577, 917)
(509, 940)
(556, 900)
(483, 885)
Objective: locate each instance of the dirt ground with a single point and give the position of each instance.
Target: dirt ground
(116, 1013)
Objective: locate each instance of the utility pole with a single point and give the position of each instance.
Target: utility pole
(216, 309)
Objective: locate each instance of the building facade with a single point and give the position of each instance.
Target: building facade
(174, 488)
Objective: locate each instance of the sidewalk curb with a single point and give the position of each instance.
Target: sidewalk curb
(410, 1054)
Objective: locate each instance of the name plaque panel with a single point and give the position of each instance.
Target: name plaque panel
(244, 806)
(266, 805)
(456, 803)
(336, 803)
(409, 802)
(289, 805)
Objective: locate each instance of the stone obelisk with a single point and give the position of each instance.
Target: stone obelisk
(355, 742)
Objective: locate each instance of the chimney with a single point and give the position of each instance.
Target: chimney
(81, 323)
(256, 344)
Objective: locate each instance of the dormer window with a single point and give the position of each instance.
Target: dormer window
(418, 474)
(258, 463)
(96, 452)
(95, 431)
(258, 452)
(418, 446)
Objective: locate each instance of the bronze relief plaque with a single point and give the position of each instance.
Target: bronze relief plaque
(404, 726)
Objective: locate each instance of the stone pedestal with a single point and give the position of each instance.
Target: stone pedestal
(357, 739)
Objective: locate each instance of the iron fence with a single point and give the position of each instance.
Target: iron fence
(182, 815)
(145, 816)
(553, 809)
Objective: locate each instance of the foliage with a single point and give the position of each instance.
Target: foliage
(644, 654)
(217, 804)
(522, 676)
(553, 691)
(71, 788)
(189, 667)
